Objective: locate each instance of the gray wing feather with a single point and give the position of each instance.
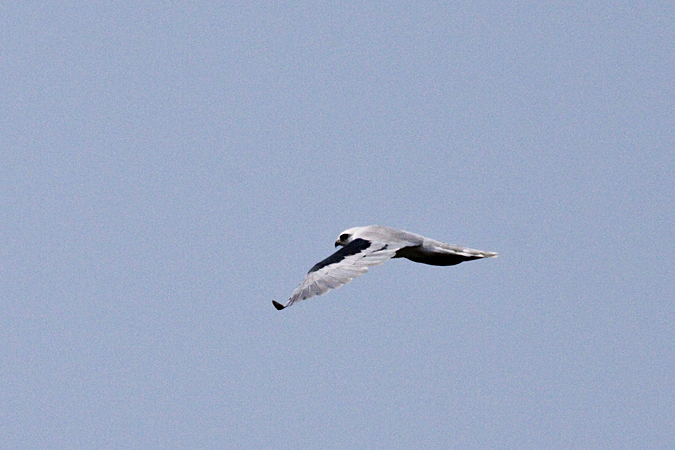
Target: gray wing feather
(443, 248)
(338, 274)
(438, 253)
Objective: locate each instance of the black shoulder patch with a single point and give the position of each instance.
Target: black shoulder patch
(354, 247)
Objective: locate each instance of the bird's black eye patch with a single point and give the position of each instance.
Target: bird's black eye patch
(344, 237)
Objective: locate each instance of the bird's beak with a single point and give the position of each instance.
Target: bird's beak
(337, 243)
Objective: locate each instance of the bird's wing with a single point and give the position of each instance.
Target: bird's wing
(440, 248)
(438, 253)
(340, 268)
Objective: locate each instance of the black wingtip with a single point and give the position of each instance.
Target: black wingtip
(278, 305)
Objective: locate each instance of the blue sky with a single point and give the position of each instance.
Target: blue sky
(166, 170)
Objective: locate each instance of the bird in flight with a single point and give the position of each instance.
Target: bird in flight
(371, 246)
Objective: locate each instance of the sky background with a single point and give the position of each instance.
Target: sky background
(167, 169)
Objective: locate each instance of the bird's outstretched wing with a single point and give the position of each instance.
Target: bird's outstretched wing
(438, 253)
(340, 268)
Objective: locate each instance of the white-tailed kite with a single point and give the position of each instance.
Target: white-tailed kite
(371, 246)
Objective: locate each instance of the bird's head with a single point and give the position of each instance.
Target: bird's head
(346, 237)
